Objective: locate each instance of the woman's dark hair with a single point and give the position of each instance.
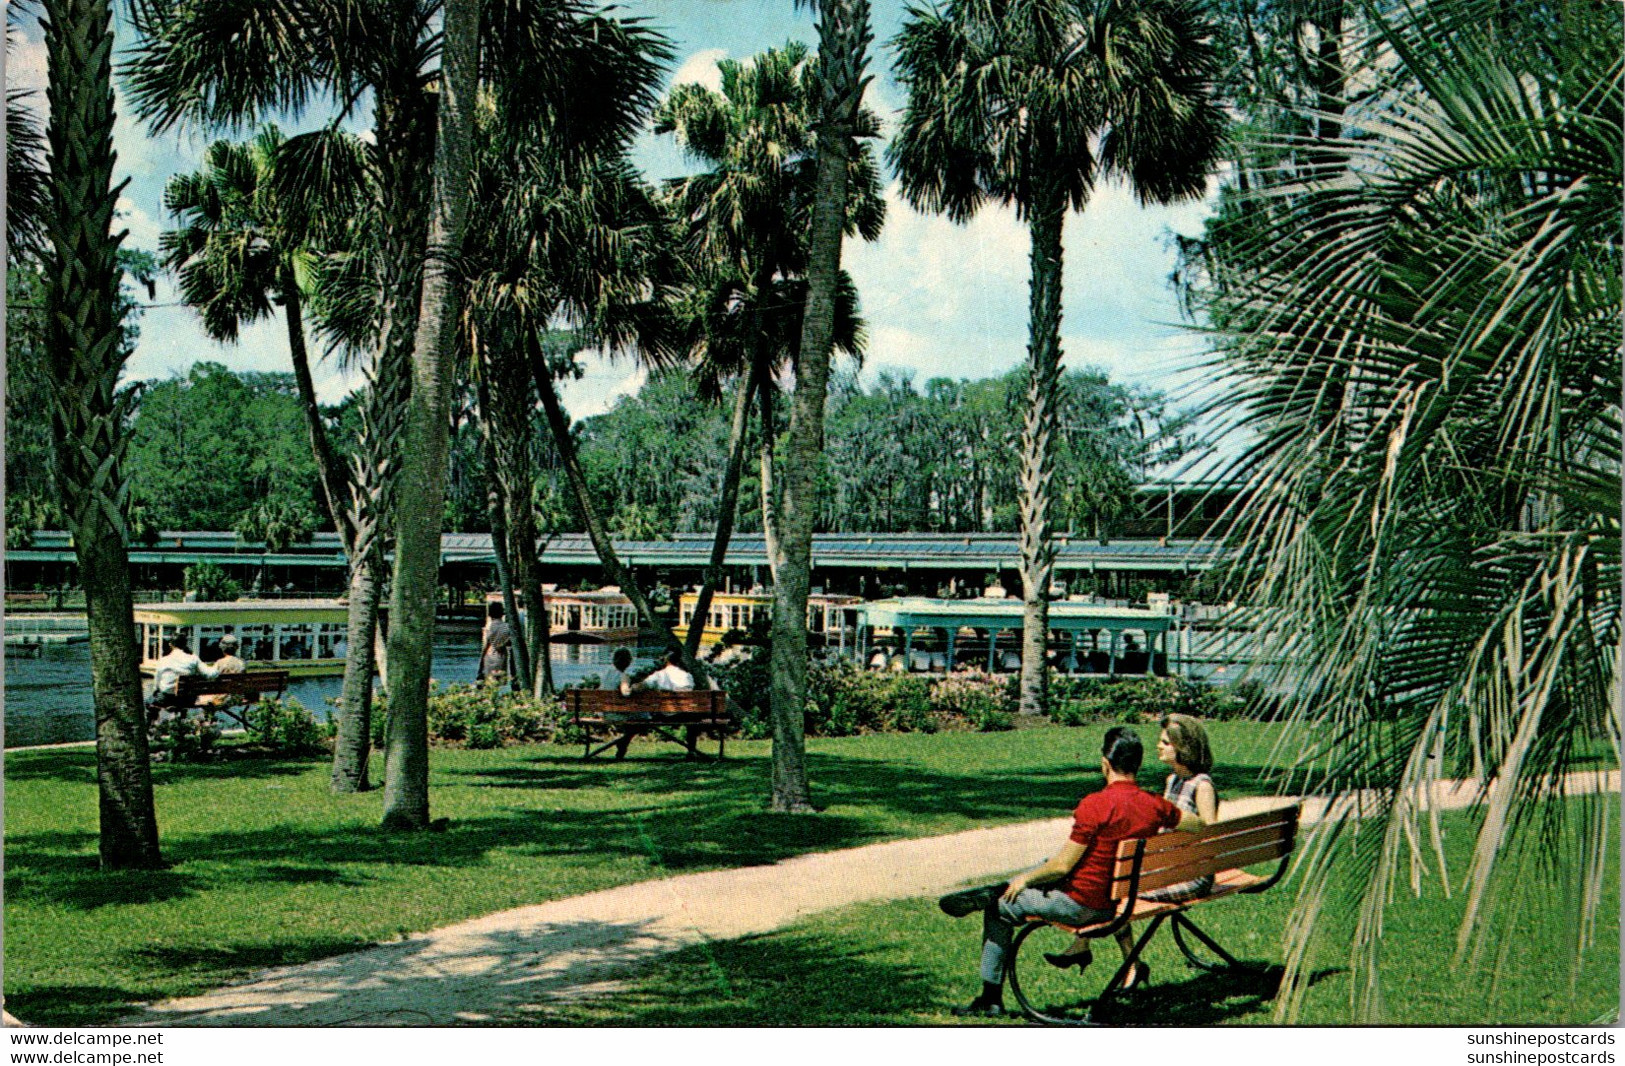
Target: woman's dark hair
(622, 659)
(493, 610)
(1123, 749)
(1190, 742)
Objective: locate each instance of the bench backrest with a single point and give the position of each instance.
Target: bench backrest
(254, 681)
(1174, 858)
(581, 701)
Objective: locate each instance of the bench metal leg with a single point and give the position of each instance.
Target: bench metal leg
(1181, 924)
(1013, 975)
(613, 742)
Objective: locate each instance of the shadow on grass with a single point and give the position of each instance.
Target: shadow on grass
(1209, 998)
(78, 766)
(776, 979)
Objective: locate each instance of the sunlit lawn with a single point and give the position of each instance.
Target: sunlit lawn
(269, 868)
(905, 963)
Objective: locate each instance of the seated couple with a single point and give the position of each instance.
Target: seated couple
(178, 662)
(1078, 879)
(669, 678)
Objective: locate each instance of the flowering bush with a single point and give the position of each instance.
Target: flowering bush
(186, 738)
(489, 715)
(286, 728)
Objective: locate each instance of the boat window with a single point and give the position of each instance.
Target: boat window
(298, 641)
(255, 643)
(329, 635)
(208, 641)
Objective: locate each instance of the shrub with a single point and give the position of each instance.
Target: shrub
(489, 715)
(187, 738)
(286, 728)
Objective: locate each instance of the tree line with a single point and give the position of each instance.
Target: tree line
(226, 450)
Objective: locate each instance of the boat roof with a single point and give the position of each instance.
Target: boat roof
(989, 613)
(242, 611)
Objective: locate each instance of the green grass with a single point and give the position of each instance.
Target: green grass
(905, 963)
(270, 869)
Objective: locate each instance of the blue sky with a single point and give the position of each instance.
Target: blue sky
(939, 299)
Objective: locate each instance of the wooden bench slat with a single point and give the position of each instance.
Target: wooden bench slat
(1227, 827)
(1174, 875)
(1214, 851)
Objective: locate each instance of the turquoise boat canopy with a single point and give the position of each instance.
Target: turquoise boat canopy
(1065, 616)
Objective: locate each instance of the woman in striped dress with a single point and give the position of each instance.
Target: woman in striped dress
(1184, 748)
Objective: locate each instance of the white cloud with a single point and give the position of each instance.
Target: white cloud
(25, 65)
(605, 380)
(144, 229)
(701, 69)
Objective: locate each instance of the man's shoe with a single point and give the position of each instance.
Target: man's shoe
(959, 904)
(979, 1009)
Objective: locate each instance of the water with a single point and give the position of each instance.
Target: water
(48, 700)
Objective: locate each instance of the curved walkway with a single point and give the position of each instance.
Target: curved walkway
(492, 968)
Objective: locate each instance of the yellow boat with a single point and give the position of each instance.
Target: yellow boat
(307, 638)
(826, 613)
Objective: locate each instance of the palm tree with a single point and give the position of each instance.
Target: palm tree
(254, 226)
(1029, 103)
(744, 221)
(88, 418)
(602, 261)
(1432, 534)
(422, 487)
(843, 53)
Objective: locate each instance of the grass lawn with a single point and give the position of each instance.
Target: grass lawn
(905, 963)
(270, 869)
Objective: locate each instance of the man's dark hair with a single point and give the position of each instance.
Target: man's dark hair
(493, 610)
(1123, 749)
(674, 657)
(622, 659)
(178, 642)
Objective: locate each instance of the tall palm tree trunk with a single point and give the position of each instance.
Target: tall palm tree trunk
(421, 495)
(843, 34)
(769, 485)
(329, 472)
(86, 345)
(353, 743)
(512, 409)
(558, 423)
(352, 746)
(1045, 222)
(403, 142)
(729, 502)
(500, 541)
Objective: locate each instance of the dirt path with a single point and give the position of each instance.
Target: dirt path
(494, 967)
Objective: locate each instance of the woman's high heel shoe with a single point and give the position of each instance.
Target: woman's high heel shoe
(1080, 959)
(1139, 976)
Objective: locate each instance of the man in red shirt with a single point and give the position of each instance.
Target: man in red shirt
(1081, 871)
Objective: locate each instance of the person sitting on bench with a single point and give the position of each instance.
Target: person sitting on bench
(1083, 867)
(178, 662)
(227, 665)
(615, 679)
(671, 677)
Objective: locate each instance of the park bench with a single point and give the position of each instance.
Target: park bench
(598, 713)
(249, 687)
(30, 598)
(1221, 850)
